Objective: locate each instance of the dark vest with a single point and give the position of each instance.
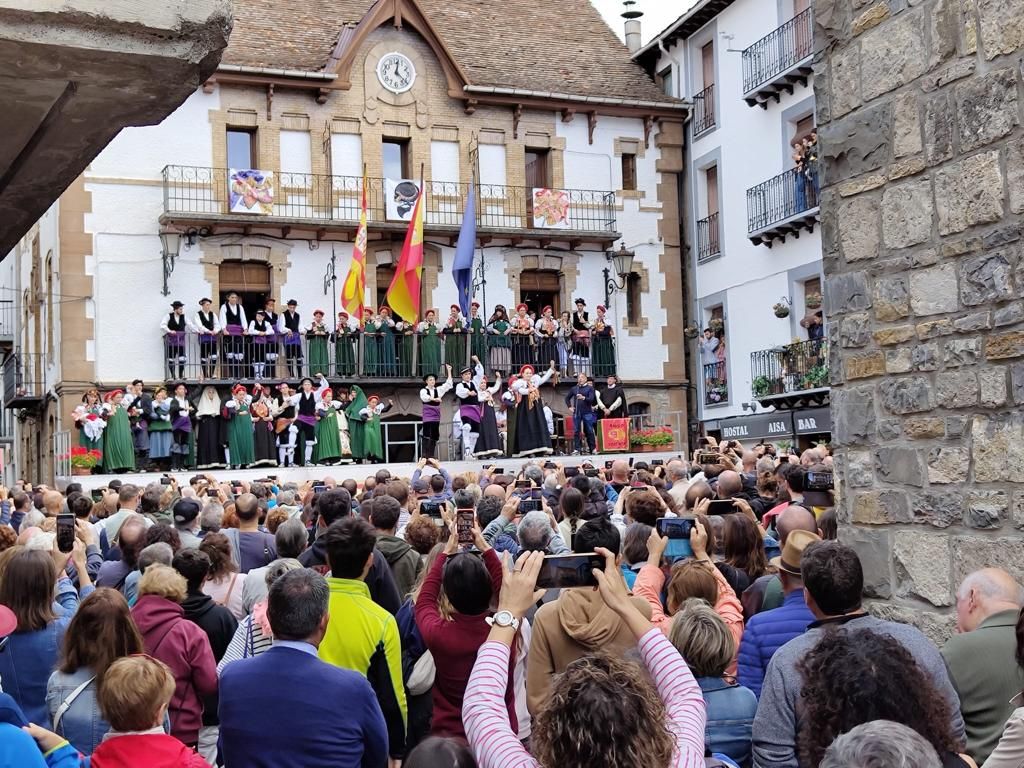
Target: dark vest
(261, 327)
(271, 317)
(307, 405)
(176, 322)
(472, 391)
(206, 320)
(233, 316)
(291, 321)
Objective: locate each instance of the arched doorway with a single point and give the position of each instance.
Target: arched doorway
(249, 279)
(539, 288)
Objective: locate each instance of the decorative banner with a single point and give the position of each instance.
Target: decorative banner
(400, 196)
(251, 191)
(613, 436)
(550, 208)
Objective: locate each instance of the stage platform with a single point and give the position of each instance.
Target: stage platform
(357, 472)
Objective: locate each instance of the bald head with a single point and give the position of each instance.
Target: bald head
(676, 470)
(984, 593)
(795, 518)
(247, 507)
(620, 471)
(749, 461)
(53, 503)
(729, 484)
(494, 489)
(131, 538)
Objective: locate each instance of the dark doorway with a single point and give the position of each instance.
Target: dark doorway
(250, 280)
(539, 288)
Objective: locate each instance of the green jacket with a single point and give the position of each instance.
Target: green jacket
(983, 669)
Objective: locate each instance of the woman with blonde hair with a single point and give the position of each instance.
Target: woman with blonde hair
(177, 642)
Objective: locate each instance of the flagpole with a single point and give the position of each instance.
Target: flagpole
(483, 277)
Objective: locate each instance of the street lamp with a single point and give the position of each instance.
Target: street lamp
(622, 261)
(170, 245)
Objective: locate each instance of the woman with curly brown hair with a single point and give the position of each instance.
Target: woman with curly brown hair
(224, 583)
(856, 676)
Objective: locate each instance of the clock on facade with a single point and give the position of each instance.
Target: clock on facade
(396, 72)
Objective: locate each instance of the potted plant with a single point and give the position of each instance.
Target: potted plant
(815, 377)
(653, 439)
(763, 386)
(781, 310)
(812, 301)
(83, 460)
(716, 324)
(691, 331)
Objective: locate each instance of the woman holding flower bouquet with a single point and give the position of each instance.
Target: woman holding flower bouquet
(88, 417)
(118, 448)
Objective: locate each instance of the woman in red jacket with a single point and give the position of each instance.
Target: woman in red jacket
(178, 643)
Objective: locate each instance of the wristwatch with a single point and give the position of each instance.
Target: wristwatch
(503, 619)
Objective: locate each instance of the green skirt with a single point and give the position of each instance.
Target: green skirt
(92, 445)
(345, 356)
(357, 437)
(372, 445)
(318, 359)
(430, 354)
(405, 347)
(602, 353)
(371, 356)
(240, 440)
(479, 346)
(455, 351)
(118, 448)
(328, 444)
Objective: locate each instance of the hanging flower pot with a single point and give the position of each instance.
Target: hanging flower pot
(781, 310)
(691, 331)
(812, 301)
(716, 324)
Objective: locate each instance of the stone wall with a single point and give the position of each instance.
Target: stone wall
(923, 152)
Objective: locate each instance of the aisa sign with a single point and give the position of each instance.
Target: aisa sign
(769, 425)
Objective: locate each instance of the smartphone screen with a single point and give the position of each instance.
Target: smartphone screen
(97, 494)
(319, 489)
(464, 525)
(530, 505)
(819, 481)
(591, 472)
(707, 457)
(572, 471)
(65, 532)
(211, 492)
(523, 483)
(608, 464)
(165, 481)
(721, 507)
(497, 471)
(568, 571)
(431, 508)
(677, 530)
(657, 462)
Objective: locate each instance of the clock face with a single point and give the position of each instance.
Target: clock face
(396, 72)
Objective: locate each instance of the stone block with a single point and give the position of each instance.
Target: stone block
(910, 394)
(857, 143)
(986, 278)
(900, 466)
(1002, 26)
(858, 228)
(872, 547)
(880, 507)
(889, 429)
(854, 331)
(956, 389)
(906, 126)
(925, 257)
(898, 361)
(923, 427)
(907, 167)
(872, 17)
(1017, 383)
(845, 81)
(861, 184)
(956, 426)
(948, 464)
(1004, 345)
(906, 214)
(847, 292)
(969, 192)
(978, 321)
(922, 564)
(986, 510)
(957, 352)
(1017, 509)
(1004, 235)
(992, 382)
(997, 445)
(1009, 314)
(938, 129)
(864, 366)
(924, 357)
(934, 328)
(939, 509)
(853, 415)
(972, 553)
(937, 627)
(942, 31)
(1015, 174)
(986, 108)
(891, 299)
(933, 291)
(894, 335)
(859, 469)
(892, 55)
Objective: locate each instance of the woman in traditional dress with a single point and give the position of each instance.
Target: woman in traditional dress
(118, 449)
(344, 441)
(241, 450)
(356, 425)
(522, 337)
(406, 332)
(547, 335)
(564, 342)
(454, 339)
(581, 337)
(602, 346)
(371, 343)
(344, 347)
(532, 437)
(264, 439)
(488, 444)
(430, 345)
(181, 426)
(498, 329)
(316, 339)
(210, 431)
(373, 445)
(160, 429)
(477, 332)
(88, 418)
(388, 365)
(328, 447)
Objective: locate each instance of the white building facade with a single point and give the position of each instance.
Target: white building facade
(751, 215)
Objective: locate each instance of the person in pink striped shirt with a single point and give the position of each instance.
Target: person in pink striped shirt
(601, 712)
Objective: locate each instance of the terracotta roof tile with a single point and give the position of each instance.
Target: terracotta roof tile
(560, 46)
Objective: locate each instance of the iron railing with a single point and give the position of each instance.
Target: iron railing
(796, 367)
(778, 51)
(704, 110)
(62, 455)
(24, 375)
(716, 385)
(782, 197)
(8, 314)
(708, 238)
(360, 356)
(337, 199)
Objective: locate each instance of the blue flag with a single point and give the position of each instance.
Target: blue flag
(462, 270)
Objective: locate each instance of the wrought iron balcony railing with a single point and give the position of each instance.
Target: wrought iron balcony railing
(716, 385)
(778, 52)
(782, 198)
(337, 199)
(789, 369)
(708, 242)
(704, 110)
(24, 375)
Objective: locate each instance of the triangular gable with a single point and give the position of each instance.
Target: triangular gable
(400, 12)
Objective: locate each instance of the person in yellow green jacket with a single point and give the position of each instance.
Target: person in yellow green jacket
(361, 635)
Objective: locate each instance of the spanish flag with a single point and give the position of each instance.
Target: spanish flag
(354, 288)
(403, 295)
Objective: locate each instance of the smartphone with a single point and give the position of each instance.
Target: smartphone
(608, 464)
(211, 492)
(721, 507)
(677, 531)
(165, 480)
(464, 525)
(534, 504)
(708, 457)
(819, 481)
(497, 471)
(65, 532)
(272, 478)
(568, 571)
(639, 486)
(97, 494)
(591, 472)
(657, 462)
(317, 489)
(431, 508)
(549, 465)
(572, 471)
(523, 483)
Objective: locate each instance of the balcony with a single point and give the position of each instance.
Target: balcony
(24, 380)
(307, 206)
(783, 206)
(791, 376)
(8, 317)
(374, 358)
(704, 111)
(708, 238)
(716, 385)
(778, 61)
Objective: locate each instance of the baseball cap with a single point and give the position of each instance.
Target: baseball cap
(185, 511)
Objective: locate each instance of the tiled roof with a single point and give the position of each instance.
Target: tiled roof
(561, 46)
